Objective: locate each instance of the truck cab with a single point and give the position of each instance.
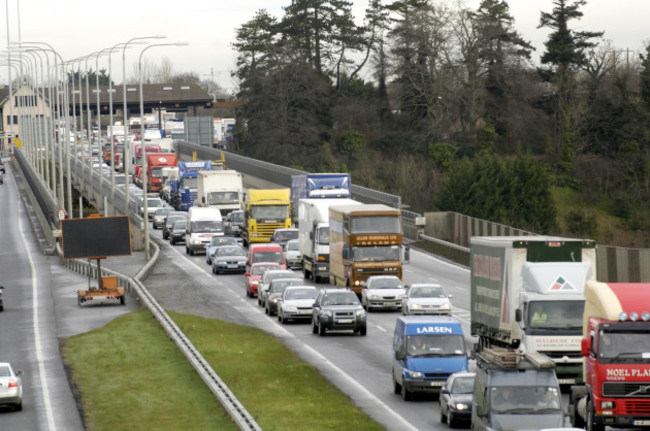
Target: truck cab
(426, 351)
(513, 391)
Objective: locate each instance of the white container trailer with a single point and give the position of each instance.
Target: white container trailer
(220, 189)
(313, 226)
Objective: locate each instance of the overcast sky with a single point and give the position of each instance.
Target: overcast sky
(77, 28)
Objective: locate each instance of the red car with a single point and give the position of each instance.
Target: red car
(253, 277)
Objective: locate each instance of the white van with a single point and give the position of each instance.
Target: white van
(202, 224)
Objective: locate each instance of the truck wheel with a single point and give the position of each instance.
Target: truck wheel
(591, 426)
(306, 274)
(123, 300)
(397, 388)
(575, 395)
(406, 394)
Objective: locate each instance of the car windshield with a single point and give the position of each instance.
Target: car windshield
(463, 385)
(524, 399)
(342, 298)
(268, 256)
(154, 202)
(427, 292)
(293, 245)
(180, 224)
(238, 217)
(207, 226)
(286, 235)
(230, 251)
(281, 285)
(163, 211)
(307, 293)
(272, 275)
(261, 269)
(173, 219)
(223, 240)
(385, 283)
(435, 345)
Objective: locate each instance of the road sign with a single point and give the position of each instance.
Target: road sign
(61, 214)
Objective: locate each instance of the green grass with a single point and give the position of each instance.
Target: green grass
(131, 376)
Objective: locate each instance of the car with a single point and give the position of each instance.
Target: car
(233, 223)
(229, 258)
(382, 291)
(456, 399)
(2, 166)
(256, 272)
(281, 236)
(153, 204)
(296, 303)
(177, 233)
(275, 291)
(338, 310)
(2, 302)
(266, 252)
(169, 222)
(426, 298)
(292, 254)
(11, 386)
(160, 215)
(2, 178)
(265, 282)
(218, 241)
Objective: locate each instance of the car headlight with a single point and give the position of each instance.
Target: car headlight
(400, 296)
(415, 306)
(375, 297)
(413, 374)
(459, 406)
(254, 283)
(274, 300)
(445, 307)
(361, 313)
(291, 308)
(326, 313)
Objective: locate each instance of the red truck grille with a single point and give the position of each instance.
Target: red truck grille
(634, 407)
(627, 389)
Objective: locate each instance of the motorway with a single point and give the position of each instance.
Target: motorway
(41, 308)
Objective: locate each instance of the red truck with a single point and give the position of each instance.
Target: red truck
(137, 152)
(155, 164)
(616, 351)
(118, 149)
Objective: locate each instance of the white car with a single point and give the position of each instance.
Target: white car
(426, 298)
(382, 291)
(292, 254)
(11, 386)
(297, 302)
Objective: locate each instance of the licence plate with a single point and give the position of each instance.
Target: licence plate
(232, 266)
(437, 383)
(344, 321)
(389, 303)
(641, 422)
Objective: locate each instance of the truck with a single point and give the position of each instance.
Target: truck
(266, 211)
(365, 240)
(137, 153)
(220, 189)
(319, 186)
(514, 390)
(314, 235)
(168, 174)
(183, 189)
(526, 292)
(616, 350)
(155, 165)
(202, 225)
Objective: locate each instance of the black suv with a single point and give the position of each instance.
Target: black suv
(338, 309)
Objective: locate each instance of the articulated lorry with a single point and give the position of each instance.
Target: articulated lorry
(183, 190)
(365, 240)
(616, 351)
(155, 165)
(266, 211)
(319, 186)
(314, 235)
(220, 189)
(527, 293)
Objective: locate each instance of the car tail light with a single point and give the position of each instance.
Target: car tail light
(13, 384)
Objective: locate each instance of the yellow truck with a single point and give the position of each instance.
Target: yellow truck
(266, 211)
(365, 240)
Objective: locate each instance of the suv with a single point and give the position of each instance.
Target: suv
(338, 309)
(169, 222)
(233, 223)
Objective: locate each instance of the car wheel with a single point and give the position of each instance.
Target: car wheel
(363, 331)
(451, 421)
(191, 251)
(123, 299)
(280, 319)
(321, 329)
(172, 242)
(187, 250)
(397, 388)
(443, 416)
(259, 300)
(214, 271)
(314, 328)
(248, 293)
(266, 311)
(208, 261)
(18, 407)
(406, 394)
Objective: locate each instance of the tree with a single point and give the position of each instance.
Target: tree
(645, 78)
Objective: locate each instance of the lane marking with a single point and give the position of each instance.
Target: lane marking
(37, 333)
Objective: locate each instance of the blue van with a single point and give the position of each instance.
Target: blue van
(427, 349)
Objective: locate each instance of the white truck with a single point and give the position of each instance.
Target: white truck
(220, 189)
(202, 225)
(313, 235)
(527, 294)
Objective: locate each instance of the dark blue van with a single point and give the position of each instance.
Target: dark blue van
(427, 349)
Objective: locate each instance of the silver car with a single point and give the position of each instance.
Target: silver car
(265, 282)
(382, 291)
(11, 386)
(297, 303)
(426, 298)
(292, 254)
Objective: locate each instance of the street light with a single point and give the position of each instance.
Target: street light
(127, 161)
(144, 148)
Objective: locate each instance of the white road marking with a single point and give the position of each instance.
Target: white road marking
(37, 334)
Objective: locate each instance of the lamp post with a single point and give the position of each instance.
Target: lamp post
(127, 161)
(144, 148)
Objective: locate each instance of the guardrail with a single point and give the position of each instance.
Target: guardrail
(235, 409)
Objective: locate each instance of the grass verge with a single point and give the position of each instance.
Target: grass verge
(131, 376)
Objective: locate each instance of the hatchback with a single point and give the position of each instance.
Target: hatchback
(11, 386)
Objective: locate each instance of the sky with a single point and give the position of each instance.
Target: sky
(77, 28)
